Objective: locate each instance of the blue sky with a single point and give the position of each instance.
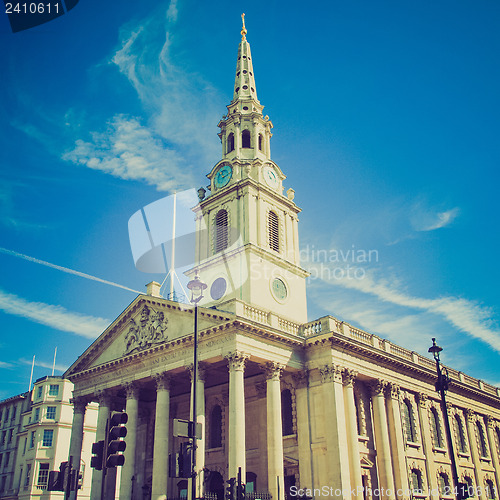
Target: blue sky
(385, 122)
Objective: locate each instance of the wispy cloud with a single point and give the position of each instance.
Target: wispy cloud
(426, 219)
(53, 316)
(176, 133)
(4, 364)
(464, 315)
(128, 150)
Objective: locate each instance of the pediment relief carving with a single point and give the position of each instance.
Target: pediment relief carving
(145, 330)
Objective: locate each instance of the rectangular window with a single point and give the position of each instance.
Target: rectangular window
(1, 411)
(43, 476)
(27, 477)
(11, 432)
(32, 439)
(25, 444)
(7, 459)
(51, 412)
(37, 414)
(40, 391)
(48, 434)
(1, 458)
(7, 414)
(4, 433)
(13, 413)
(54, 390)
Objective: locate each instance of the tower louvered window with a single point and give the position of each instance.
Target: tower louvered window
(260, 142)
(274, 232)
(221, 237)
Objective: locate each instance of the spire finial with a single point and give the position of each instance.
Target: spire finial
(243, 30)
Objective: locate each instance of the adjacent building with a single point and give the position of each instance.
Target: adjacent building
(318, 408)
(37, 427)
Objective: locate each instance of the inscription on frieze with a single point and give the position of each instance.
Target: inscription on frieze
(146, 332)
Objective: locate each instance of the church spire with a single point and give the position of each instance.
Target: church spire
(244, 84)
(245, 132)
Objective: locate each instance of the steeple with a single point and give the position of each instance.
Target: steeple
(245, 133)
(244, 83)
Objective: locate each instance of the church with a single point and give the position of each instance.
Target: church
(303, 408)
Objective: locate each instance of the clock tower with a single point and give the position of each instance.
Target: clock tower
(248, 242)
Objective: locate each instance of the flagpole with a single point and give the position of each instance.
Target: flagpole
(54, 363)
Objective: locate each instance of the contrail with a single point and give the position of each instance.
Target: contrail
(64, 269)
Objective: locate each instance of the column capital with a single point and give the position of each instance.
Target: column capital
(301, 378)
(202, 371)
(422, 399)
(470, 414)
(348, 377)
(104, 397)
(393, 390)
(490, 421)
(79, 404)
(236, 360)
(331, 373)
(272, 370)
(132, 389)
(162, 381)
(377, 387)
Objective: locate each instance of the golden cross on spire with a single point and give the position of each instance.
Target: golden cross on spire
(243, 30)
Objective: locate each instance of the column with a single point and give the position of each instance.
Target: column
(348, 377)
(200, 418)
(237, 445)
(128, 469)
(490, 426)
(275, 477)
(397, 442)
(104, 399)
(337, 452)
(473, 443)
(383, 446)
(237, 138)
(75, 447)
(303, 431)
(160, 447)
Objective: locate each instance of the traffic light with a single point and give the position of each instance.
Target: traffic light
(231, 483)
(96, 461)
(58, 479)
(116, 446)
(240, 491)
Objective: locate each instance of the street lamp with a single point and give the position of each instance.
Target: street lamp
(197, 287)
(441, 386)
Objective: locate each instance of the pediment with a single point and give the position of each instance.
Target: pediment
(146, 323)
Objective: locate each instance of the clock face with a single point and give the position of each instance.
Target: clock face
(223, 176)
(270, 177)
(279, 289)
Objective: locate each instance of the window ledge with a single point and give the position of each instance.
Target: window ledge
(412, 444)
(437, 449)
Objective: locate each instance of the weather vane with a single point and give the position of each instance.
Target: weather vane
(243, 30)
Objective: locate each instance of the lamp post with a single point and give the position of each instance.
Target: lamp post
(441, 387)
(197, 287)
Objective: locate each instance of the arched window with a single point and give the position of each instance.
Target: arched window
(437, 437)
(274, 232)
(490, 489)
(230, 142)
(443, 484)
(220, 234)
(459, 431)
(182, 488)
(416, 481)
(483, 448)
(409, 421)
(245, 139)
(216, 427)
(261, 142)
(286, 412)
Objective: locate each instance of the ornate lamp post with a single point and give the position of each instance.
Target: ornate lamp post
(441, 387)
(197, 287)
